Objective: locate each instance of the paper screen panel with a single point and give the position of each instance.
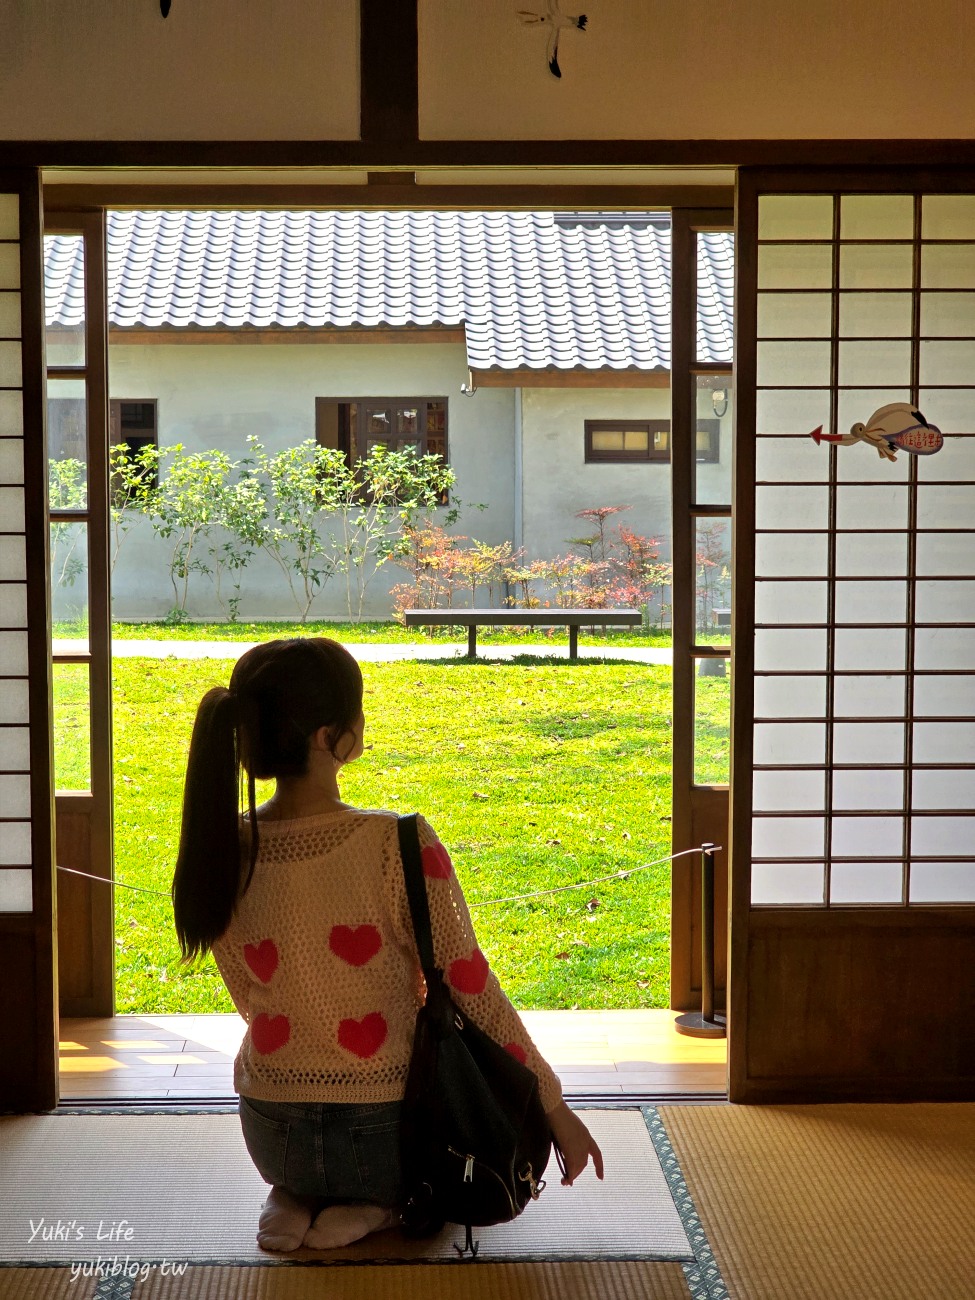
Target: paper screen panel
(15, 824)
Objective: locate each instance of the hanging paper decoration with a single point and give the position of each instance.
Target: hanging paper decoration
(556, 21)
(897, 427)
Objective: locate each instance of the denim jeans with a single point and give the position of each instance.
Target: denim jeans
(332, 1151)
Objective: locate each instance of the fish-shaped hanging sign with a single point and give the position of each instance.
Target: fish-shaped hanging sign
(897, 427)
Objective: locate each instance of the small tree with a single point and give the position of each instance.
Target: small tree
(132, 482)
(67, 490)
(429, 554)
(298, 484)
(184, 510)
(594, 591)
(521, 576)
(598, 546)
(578, 583)
(486, 566)
(373, 504)
(242, 516)
(713, 574)
(640, 576)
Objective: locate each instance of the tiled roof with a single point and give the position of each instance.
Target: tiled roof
(533, 290)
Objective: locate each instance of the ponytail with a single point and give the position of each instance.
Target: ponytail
(280, 693)
(209, 864)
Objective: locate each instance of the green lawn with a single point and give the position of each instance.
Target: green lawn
(535, 774)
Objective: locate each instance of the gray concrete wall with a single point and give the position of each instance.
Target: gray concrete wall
(214, 396)
(558, 482)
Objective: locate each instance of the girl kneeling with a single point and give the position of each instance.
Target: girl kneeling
(303, 904)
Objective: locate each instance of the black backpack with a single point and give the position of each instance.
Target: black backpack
(474, 1137)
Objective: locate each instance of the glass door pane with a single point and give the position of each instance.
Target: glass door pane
(64, 300)
(78, 500)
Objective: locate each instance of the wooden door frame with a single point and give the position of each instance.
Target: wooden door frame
(390, 150)
(84, 820)
(787, 963)
(700, 813)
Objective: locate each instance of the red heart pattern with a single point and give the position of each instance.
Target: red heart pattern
(363, 1037)
(355, 945)
(469, 974)
(262, 958)
(517, 1051)
(436, 861)
(268, 1033)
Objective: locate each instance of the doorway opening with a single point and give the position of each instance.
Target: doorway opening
(188, 392)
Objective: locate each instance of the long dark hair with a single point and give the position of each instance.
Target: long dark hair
(280, 693)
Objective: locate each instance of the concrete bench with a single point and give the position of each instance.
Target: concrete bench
(573, 619)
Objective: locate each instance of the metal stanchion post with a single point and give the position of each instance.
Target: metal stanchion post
(705, 1023)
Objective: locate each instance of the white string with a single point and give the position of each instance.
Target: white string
(119, 883)
(617, 875)
(490, 902)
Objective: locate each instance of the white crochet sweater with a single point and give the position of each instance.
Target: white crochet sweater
(321, 962)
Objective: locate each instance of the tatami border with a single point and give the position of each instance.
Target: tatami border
(704, 1280)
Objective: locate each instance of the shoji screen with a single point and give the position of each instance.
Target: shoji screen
(16, 893)
(863, 782)
(28, 1063)
(853, 775)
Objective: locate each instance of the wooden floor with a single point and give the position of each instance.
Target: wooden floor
(605, 1053)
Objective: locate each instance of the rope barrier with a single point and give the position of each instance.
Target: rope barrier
(490, 902)
(599, 880)
(120, 884)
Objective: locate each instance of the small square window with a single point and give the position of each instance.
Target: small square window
(135, 423)
(708, 441)
(626, 440)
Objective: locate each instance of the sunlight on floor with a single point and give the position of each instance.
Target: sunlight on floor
(615, 1053)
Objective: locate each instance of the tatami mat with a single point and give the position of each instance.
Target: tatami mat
(607, 1280)
(872, 1202)
(182, 1188)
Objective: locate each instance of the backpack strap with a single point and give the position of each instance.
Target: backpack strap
(416, 893)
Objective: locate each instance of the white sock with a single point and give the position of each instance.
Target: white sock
(340, 1225)
(284, 1221)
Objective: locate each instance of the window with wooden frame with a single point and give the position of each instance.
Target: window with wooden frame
(356, 426)
(627, 440)
(708, 441)
(134, 422)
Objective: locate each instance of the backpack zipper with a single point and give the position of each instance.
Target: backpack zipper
(469, 1175)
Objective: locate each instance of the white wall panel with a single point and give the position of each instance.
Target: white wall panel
(226, 69)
